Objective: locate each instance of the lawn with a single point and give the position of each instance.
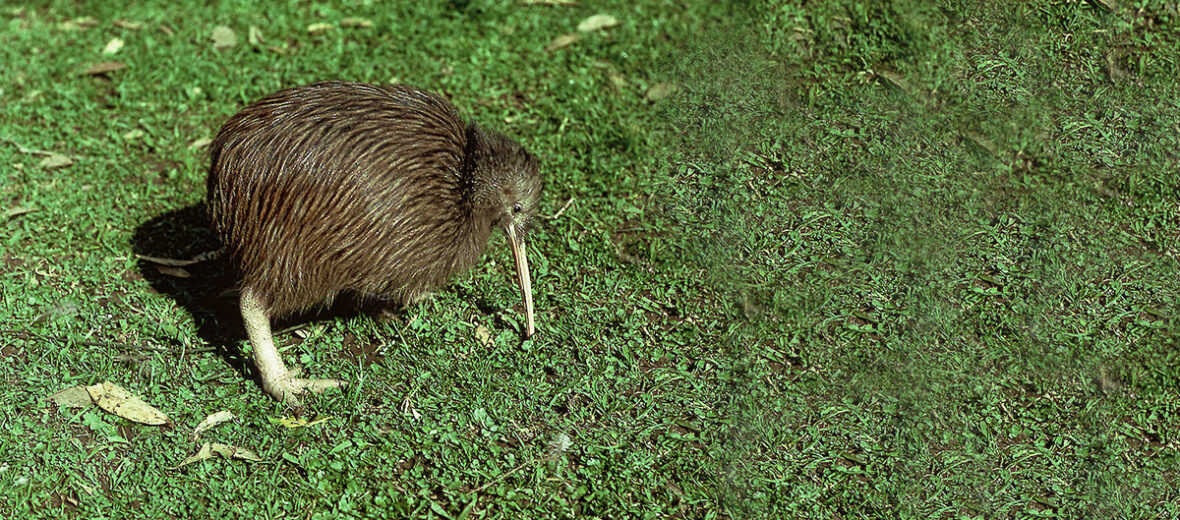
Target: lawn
(816, 259)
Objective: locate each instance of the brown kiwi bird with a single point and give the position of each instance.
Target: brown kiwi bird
(384, 192)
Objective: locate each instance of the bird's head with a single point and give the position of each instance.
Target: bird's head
(507, 186)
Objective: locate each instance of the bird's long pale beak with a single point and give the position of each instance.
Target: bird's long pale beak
(522, 275)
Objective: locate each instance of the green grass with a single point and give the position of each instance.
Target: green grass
(867, 260)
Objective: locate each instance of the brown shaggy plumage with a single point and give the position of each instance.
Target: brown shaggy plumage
(380, 190)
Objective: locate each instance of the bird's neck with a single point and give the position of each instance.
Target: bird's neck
(484, 182)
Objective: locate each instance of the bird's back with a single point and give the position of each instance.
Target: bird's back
(340, 186)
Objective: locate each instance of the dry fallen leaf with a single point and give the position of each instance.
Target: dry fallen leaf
(104, 68)
(225, 450)
(298, 422)
(234, 452)
(128, 24)
(254, 36)
(133, 134)
(317, 28)
(72, 397)
(660, 91)
(55, 160)
(204, 453)
(114, 399)
(18, 211)
(212, 420)
(353, 21)
(84, 22)
(483, 336)
(562, 41)
(200, 143)
(596, 22)
(224, 37)
(617, 79)
(113, 46)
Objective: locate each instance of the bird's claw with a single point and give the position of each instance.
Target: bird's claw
(287, 389)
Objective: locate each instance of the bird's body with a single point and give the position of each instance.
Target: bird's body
(344, 187)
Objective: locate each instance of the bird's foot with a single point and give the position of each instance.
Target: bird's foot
(288, 387)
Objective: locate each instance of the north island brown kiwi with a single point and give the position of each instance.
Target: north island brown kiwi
(380, 191)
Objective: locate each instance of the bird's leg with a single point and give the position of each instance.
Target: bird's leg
(277, 381)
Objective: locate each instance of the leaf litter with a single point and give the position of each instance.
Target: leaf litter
(211, 421)
(297, 422)
(564, 40)
(224, 450)
(105, 67)
(224, 38)
(116, 400)
(113, 46)
(596, 22)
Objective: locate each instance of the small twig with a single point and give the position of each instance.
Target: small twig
(504, 475)
(562, 210)
(554, 454)
(174, 262)
(121, 346)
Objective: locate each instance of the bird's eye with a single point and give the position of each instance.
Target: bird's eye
(517, 208)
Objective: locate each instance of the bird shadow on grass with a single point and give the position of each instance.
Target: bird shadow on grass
(208, 293)
(201, 288)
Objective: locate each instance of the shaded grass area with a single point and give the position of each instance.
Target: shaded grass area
(950, 235)
(866, 260)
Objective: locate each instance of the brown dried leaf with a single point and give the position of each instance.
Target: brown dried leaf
(254, 36)
(212, 420)
(234, 452)
(128, 24)
(660, 91)
(208, 449)
(113, 46)
(18, 211)
(317, 28)
(596, 22)
(297, 422)
(353, 21)
(616, 78)
(483, 336)
(72, 397)
(55, 160)
(104, 68)
(224, 37)
(116, 400)
(200, 143)
(84, 22)
(564, 40)
(204, 453)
